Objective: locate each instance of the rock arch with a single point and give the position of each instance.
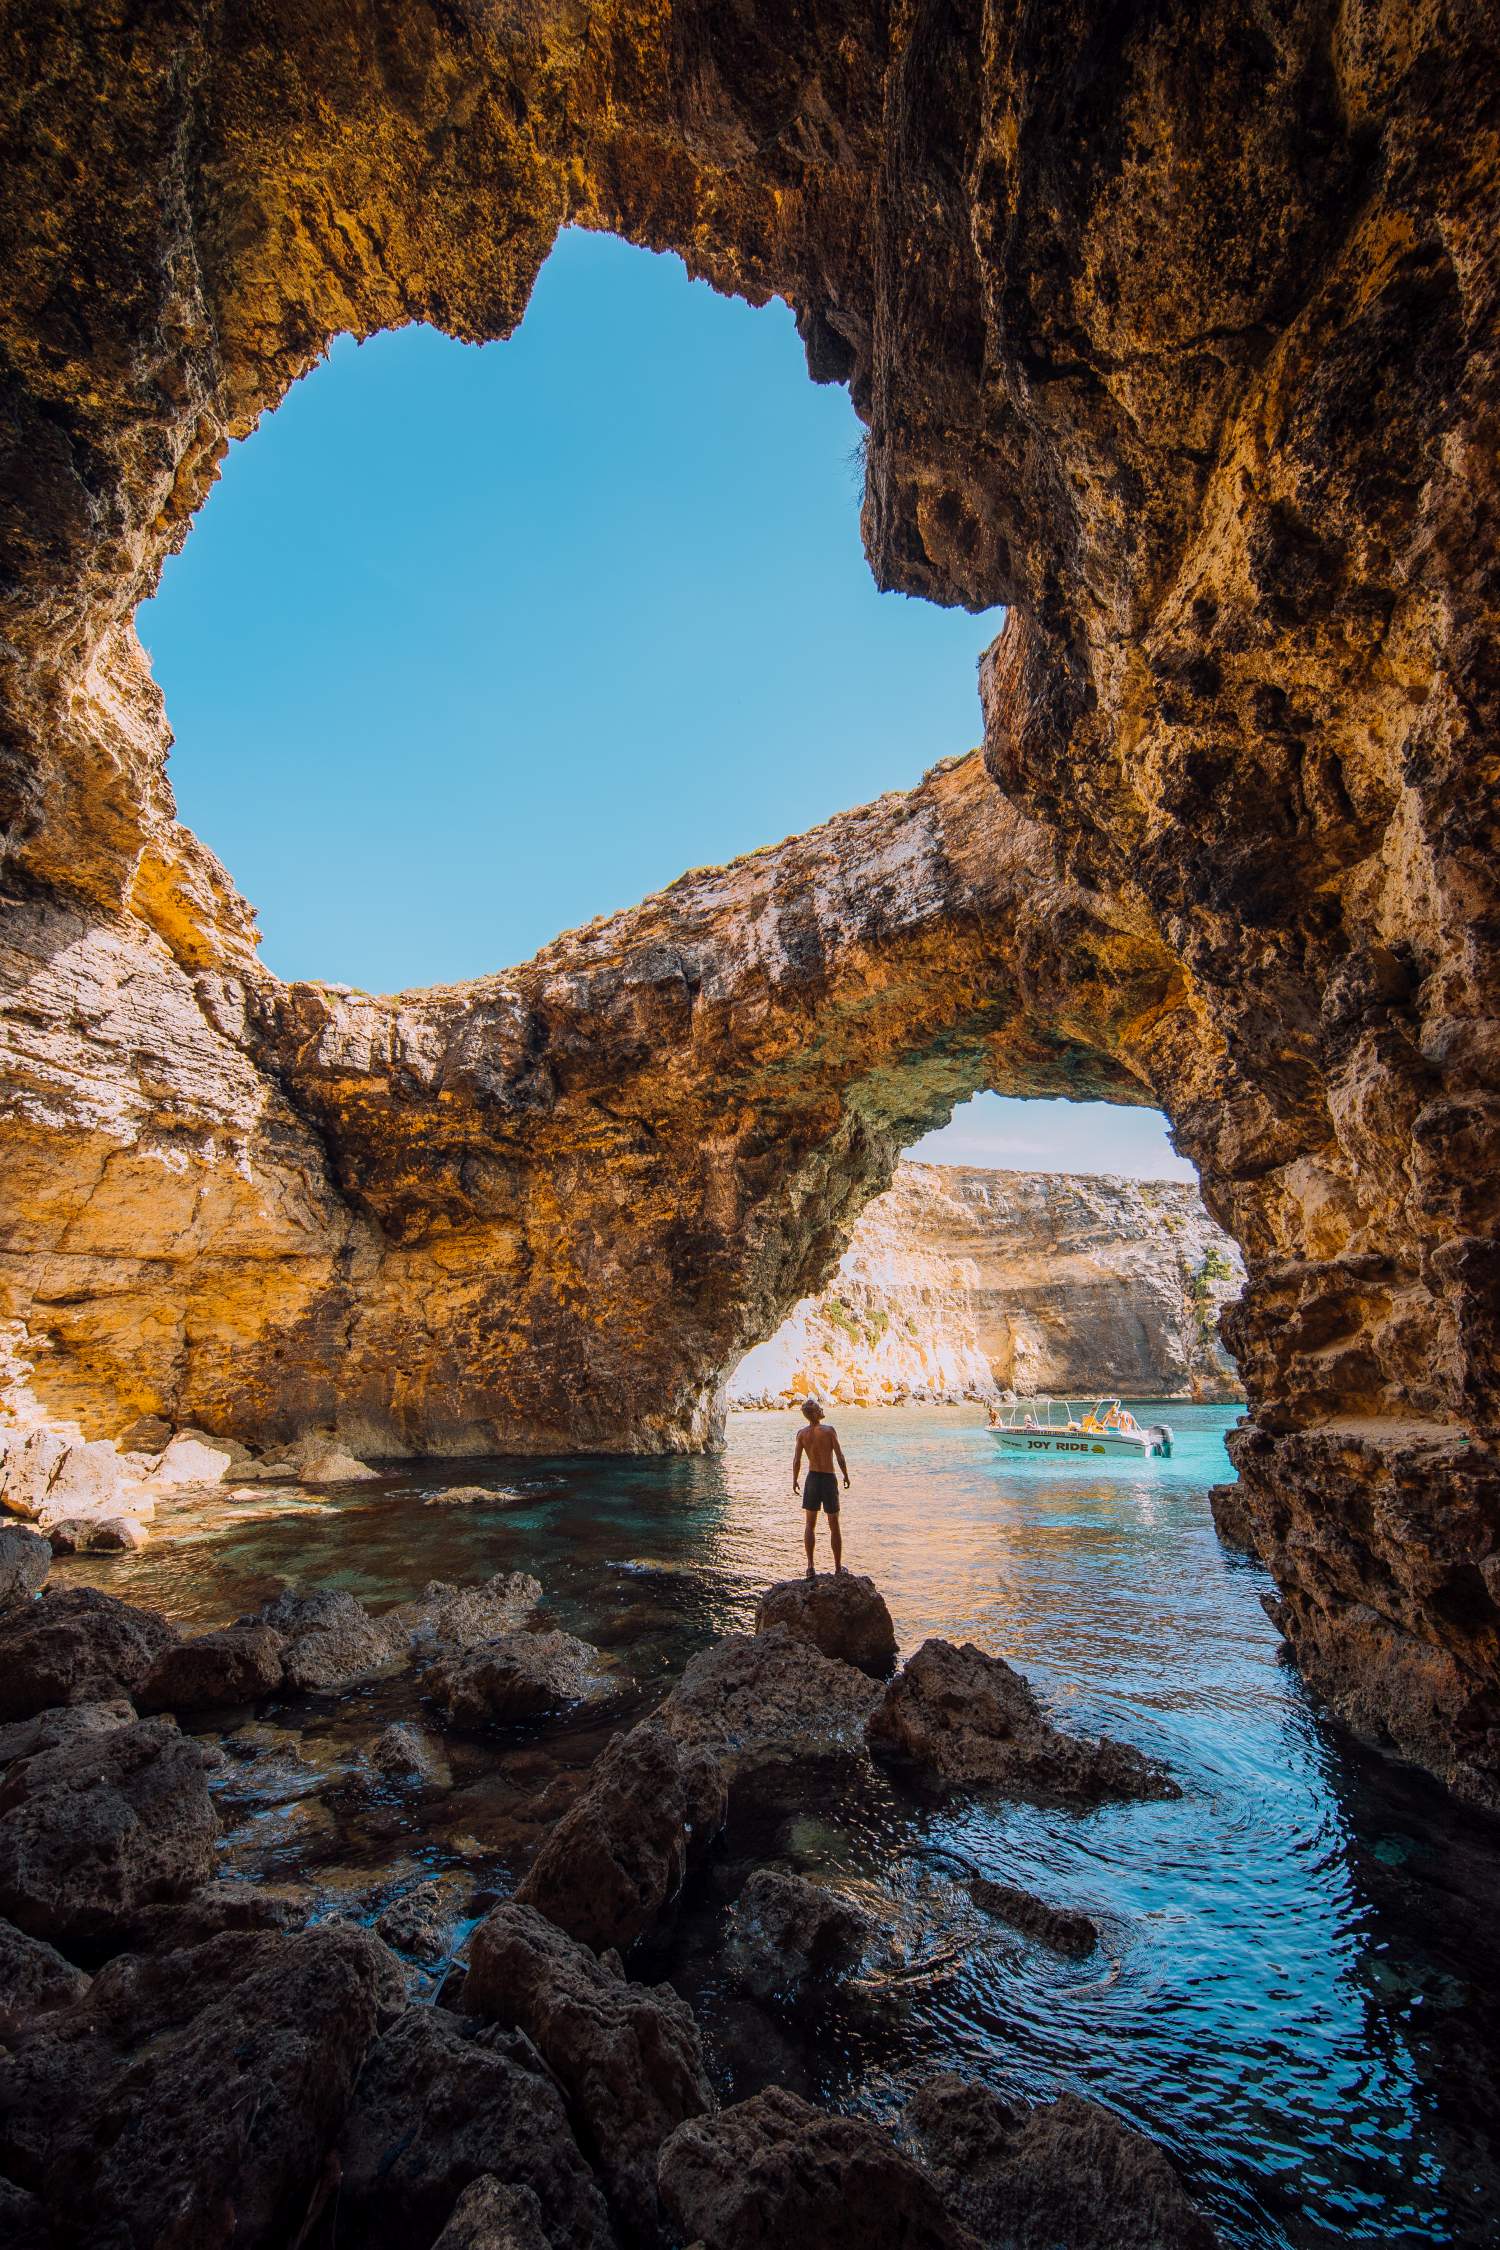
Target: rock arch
(1175, 331)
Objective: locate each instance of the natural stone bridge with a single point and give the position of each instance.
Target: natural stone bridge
(1175, 331)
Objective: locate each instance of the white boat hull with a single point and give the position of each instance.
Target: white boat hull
(1081, 1444)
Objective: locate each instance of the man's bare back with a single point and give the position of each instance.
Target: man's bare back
(820, 1445)
(818, 1448)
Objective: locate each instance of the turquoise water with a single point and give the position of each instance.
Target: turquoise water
(1295, 1992)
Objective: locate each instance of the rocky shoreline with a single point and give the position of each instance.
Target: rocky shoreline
(193, 2051)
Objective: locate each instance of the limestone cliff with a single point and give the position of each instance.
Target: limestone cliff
(1174, 330)
(958, 1281)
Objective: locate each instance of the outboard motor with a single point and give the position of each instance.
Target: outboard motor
(1161, 1440)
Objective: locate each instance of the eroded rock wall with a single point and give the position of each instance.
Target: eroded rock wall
(1174, 329)
(960, 1281)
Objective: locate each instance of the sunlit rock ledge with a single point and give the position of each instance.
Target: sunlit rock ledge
(959, 1281)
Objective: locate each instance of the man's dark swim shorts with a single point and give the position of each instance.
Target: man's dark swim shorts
(821, 1490)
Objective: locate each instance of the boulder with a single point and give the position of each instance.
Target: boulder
(443, 2101)
(518, 1676)
(25, 1560)
(1064, 2172)
(627, 2056)
(190, 2101)
(51, 1472)
(189, 1459)
(841, 1615)
(617, 1858)
(491, 2216)
(410, 1757)
(1060, 1927)
(771, 1700)
(321, 1459)
(48, 1730)
(970, 1720)
(774, 2171)
(444, 1619)
(418, 1923)
(97, 1828)
(240, 1664)
(330, 1642)
(786, 1934)
(75, 1644)
(97, 1535)
(228, 1903)
(34, 1979)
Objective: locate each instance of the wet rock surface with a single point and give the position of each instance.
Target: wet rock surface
(787, 1934)
(519, 1676)
(768, 1700)
(99, 1827)
(192, 2097)
(617, 1858)
(444, 2101)
(1064, 2172)
(1061, 1927)
(775, 2170)
(627, 2056)
(841, 1615)
(75, 1645)
(970, 1720)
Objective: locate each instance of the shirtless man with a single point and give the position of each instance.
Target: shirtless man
(819, 1445)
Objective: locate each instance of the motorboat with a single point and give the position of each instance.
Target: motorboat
(1051, 1426)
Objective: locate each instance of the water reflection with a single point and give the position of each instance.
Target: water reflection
(1295, 1989)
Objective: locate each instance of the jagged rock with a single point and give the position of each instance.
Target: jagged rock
(190, 2101)
(467, 1496)
(617, 1858)
(959, 1279)
(842, 1616)
(446, 1618)
(25, 1561)
(75, 1644)
(279, 1471)
(627, 2056)
(443, 2101)
(34, 1979)
(1064, 2172)
(774, 2170)
(1234, 1519)
(97, 1535)
(51, 1474)
(240, 1664)
(1061, 1927)
(770, 1700)
(97, 1828)
(491, 2216)
(969, 1719)
(406, 1754)
(518, 1676)
(192, 1460)
(48, 1730)
(787, 1933)
(330, 1642)
(321, 1459)
(225, 1904)
(418, 1923)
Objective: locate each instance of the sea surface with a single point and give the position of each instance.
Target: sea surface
(1298, 1988)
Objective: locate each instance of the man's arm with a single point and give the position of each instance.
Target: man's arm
(797, 1457)
(838, 1455)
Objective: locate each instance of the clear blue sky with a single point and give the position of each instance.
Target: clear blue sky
(471, 644)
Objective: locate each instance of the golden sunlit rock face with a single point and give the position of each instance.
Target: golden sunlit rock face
(1175, 331)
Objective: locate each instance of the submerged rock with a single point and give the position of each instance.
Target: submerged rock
(786, 1933)
(25, 1560)
(617, 1858)
(75, 1644)
(97, 1828)
(771, 1700)
(1064, 2172)
(518, 1676)
(240, 1664)
(841, 1615)
(34, 1980)
(1061, 1927)
(627, 2056)
(969, 1719)
(444, 2101)
(774, 2171)
(491, 2216)
(190, 2100)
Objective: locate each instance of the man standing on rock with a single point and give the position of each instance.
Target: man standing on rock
(819, 1444)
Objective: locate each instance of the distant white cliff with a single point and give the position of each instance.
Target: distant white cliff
(958, 1282)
